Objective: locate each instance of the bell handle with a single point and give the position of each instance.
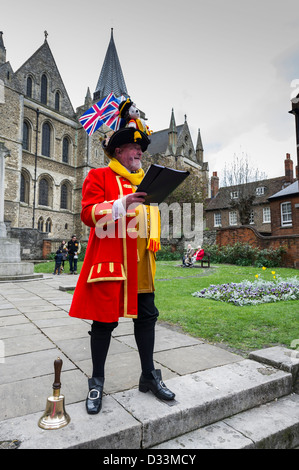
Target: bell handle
(57, 370)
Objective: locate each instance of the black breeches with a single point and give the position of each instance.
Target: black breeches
(144, 331)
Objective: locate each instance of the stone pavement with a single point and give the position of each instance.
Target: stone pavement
(35, 329)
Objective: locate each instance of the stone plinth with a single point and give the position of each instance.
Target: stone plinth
(11, 266)
(10, 250)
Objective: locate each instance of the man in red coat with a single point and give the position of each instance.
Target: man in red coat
(117, 276)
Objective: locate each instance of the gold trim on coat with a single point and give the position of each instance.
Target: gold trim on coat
(93, 214)
(105, 278)
(123, 227)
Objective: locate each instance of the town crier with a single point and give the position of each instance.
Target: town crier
(117, 276)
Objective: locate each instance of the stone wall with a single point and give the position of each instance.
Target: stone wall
(31, 242)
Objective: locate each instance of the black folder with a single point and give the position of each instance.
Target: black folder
(160, 181)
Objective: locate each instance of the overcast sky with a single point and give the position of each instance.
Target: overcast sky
(231, 66)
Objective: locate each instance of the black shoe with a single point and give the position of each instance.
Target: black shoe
(94, 397)
(156, 385)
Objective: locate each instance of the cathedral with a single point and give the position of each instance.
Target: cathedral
(50, 153)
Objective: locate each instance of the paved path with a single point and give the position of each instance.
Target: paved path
(35, 329)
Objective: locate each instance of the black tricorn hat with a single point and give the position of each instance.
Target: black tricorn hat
(124, 106)
(126, 135)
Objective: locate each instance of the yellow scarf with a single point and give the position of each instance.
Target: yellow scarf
(135, 179)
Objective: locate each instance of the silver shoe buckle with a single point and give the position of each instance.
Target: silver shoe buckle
(93, 398)
(162, 384)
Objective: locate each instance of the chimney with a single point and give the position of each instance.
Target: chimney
(288, 168)
(214, 184)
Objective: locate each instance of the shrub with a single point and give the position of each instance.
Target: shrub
(243, 254)
(166, 254)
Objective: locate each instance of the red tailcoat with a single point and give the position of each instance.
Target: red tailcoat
(107, 285)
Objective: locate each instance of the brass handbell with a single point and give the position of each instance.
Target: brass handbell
(55, 416)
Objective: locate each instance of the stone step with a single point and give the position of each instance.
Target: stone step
(20, 277)
(134, 420)
(274, 425)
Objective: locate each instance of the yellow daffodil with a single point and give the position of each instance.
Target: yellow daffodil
(256, 275)
(263, 268)
(272, 272)
(274, 277)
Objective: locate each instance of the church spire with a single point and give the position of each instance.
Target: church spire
(2, 50)
(172, 134)
(111, 77)
(199, 149)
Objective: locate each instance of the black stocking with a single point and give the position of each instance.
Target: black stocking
(99, 344)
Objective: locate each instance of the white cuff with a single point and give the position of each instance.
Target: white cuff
(118, 209)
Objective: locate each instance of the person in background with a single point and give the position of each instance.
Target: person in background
(74, 249)
(198, 255)
(187, 258)
(58, 261)
(64, 250)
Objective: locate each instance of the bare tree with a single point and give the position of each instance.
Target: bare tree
(242, 179)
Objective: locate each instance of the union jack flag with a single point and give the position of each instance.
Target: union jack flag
(103, 112)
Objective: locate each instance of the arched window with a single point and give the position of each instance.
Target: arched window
(22, 195)
(25, 136)
(44, 90)
(29, 87)
(65, 150)
(48, 227)
(57, 101)
(46, 139)
(43, 192)
(64, 197)
(24, 190)
(40, 224)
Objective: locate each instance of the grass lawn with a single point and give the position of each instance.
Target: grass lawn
(243, 328)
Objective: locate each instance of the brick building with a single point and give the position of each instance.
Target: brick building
(285, 210)
(277, 201)
(220, 213)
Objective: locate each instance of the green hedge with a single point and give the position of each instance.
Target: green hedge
(243, 254)
(240, 254)
(166, 254)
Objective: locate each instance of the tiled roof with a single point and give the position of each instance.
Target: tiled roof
(291, 189)
(222, 199)
(159, 140)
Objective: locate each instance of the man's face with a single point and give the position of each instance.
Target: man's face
(129, 155)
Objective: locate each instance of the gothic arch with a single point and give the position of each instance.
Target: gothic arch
(27, 135)
(66, 191)
(48, 225)
(57, 100)
(25, 186)
(29, 86)
(40, 224)
(44, 88)
(45, 190)
(67, 149)
(47, 138)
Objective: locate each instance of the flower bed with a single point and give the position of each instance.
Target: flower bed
(253, 293)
